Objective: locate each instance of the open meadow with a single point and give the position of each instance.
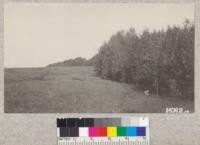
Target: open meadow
(75, 90)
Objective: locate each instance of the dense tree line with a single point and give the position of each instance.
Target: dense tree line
(159, 61)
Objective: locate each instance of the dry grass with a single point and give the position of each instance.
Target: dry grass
(74, 90)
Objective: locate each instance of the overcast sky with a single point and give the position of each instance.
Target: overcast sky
(37, 34)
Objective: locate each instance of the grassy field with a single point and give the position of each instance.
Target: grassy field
(74, 90)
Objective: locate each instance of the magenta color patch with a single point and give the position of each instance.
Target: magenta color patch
(93, 131)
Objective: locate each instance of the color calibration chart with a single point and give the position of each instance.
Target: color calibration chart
(103, 131)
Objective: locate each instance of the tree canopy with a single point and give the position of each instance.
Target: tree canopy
(160, 61)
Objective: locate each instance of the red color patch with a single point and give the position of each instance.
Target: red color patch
(102, 131)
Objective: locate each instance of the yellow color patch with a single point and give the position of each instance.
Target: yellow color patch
(111, 131)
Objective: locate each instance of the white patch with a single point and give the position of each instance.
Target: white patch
(146, 92)
(83, 132)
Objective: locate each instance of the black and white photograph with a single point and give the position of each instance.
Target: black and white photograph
(99, 57)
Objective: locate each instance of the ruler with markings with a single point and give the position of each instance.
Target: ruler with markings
(103, 131)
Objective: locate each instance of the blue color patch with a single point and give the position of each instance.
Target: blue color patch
(141, 131)
(131, 131)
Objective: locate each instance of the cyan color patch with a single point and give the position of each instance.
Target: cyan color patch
(131, 131)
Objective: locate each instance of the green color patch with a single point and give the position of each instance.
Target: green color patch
(121, 131)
